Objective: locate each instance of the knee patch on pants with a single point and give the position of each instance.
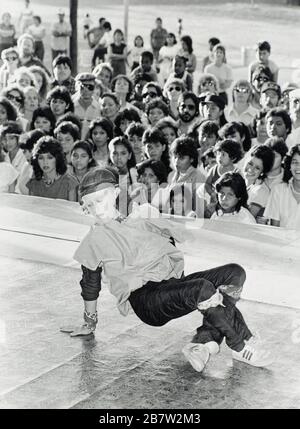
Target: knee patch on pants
(90, 283)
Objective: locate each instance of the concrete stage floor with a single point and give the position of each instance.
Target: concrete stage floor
(127, 364)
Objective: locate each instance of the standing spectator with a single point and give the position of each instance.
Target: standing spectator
(187, 52)
(117, 53)
(85, 106)
(87, 22)
(263, 52)
(179, 71)
(212, 42)
(136, 51)
(221, 70)
(7, 32)
(104, 43)
(145, 67)
(61, 31)
(26, 47)
(166, 55)
(25, 19)
(62, 69)
(38, 32)
(94, 34)
(158, 38)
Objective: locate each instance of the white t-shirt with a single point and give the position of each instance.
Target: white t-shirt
(243, 216)
(224, 72)
(258, 194)
(8, 174)
(283, 207)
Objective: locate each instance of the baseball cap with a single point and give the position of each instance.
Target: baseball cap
(93, 180)
(271, 86)
(216, 99)
(85, 77)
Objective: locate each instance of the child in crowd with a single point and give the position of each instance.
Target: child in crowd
(169, 129)
(60, 101)
(179, 72)
(280, 150)
(51, 179)
(232, 199)
(208, 159)
(259, 129)
(124, 119)
(27, 142)
(156, 147)
(122, 157)
(8, 174)
(67, 134)
(81, 160)
(100, 134)
(10, 136)
(134, 133)
(255, 172)
(117, 53)
(263, 52)
(44, 119)
(283, 205)
(156, 110)
(145, 67)
(135, 53)
(152, 175)
(104, 73)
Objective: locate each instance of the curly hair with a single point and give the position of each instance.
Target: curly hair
(48, 145)
(11, 111)
(157, 167)
(287, 174)
(237, 183)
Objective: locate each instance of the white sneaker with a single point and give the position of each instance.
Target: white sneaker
(254, 353)
(197, 355)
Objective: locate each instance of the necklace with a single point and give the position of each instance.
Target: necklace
(49, 182)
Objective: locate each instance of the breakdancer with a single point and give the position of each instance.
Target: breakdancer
(144, 269)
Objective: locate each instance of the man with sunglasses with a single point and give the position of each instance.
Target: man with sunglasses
(188, 110)
(86, 107)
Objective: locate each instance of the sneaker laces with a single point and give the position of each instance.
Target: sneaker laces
(215, 300)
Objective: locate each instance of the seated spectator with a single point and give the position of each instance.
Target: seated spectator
(145, 67)
(134, 133)
(286, 88)
(186, 51)
(255, 172)
(283, 205)
(213, 109)
(66, 135)
(9, 137)
(24, 78)
(62, 71)
(8, 174)
(232, 199)
(109, 106)
(15, 95)
(11, 62)
(156, 110)
(270, 94)
(99, 135)
(260, 76)
(8, 112)
(43, 119)
(122, 157)
(150, 91)
(280, 150)
(241, 109)
(31, 102)
(138, 84)
(188, 109)
(263, 52)
(294, 109)
(42, 82)
(51, 179)
(104, 73)
(208, 160)
(69, 117)
(208, 84)
(82, 160)
(169, 128)
(121, 86)
(135, 53)
(181, 201)
(259, 129)
(26, 48)
(173, 89)
(124, 119)
(156, 147)
(60, 101)
(151, 183)
(278, 123)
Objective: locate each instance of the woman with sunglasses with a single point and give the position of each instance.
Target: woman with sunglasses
(16, 96)
(172, 90)
(241, 109)
(11, 61)
(208, 83)
(260, 76)
(150, 91)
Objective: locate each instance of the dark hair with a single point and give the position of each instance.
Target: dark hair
(123, 141)
(259, 70)
(278, 145)
(156, 86)
(69, 117)
(43, 112)
(11, 111)
(38, 18)
(189, 94)
(185, 190)
(189, 42)
(231, 147)
(14, 87)
(48, 145)
(214, 41)
(62, 59)
(112, 96)
(184, 146)
(237, 183)
(147, 54)
(107, 26)
(141, 77)
(283, 114)
(130, 115)
(105, 124)
(10, 127)
(287, 175)
(45, 82)
(167, 123)
(84, 145)
(228, 129)
(157, 103)
(209, 127)
(264, 46)
(210, 153)
(261, 114)
(174, 37)
(130, 86)
(118, 30)
(138, 37)
(266, 155)
(153, 135)
(68, 127)
(61, 93)
(135, 129)
(158, 168)
(31, 138)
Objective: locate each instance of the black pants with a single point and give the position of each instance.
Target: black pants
(99, 53)
(156, 303)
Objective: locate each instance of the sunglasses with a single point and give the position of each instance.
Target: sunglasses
(88, 86)
(190, 107)
(175, 88)
(262, 79)
(242, 90)
(11, 58)
(150, 94)
(14, 97)
(209, 83)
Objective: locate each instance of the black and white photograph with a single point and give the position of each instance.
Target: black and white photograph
(149, 208)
